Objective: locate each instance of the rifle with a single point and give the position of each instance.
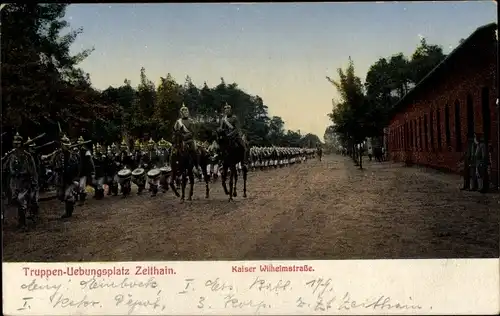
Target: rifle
(27, 143)
(44, 157)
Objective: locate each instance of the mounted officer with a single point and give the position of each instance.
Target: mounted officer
(185, 128)
(231, 125)
(23, 179)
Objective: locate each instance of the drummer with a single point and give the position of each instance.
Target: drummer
(139, 173)
(163, 157)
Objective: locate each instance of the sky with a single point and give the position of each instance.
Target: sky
(279, 51)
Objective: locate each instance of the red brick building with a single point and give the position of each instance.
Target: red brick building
(430, 124)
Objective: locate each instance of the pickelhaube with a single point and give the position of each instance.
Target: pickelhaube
(137, 144)
(18, 139)
(65, 140)
(151, 142)
(113, 146)
(183, 108)
(123, 145)
(80, 140)
(162, 143)
(31, 144)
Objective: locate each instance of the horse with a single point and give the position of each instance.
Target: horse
(183, 162)
(232, 154)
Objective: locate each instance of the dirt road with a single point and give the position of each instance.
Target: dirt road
(316, 210)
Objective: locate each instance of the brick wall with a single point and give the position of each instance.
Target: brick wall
(472, 71)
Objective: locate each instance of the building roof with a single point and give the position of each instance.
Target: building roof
(440, 67)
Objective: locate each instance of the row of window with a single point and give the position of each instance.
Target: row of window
(425, 132)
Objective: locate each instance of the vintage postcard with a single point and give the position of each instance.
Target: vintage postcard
(250, 158)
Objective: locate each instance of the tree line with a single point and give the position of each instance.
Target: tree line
(44, 90)
(363, 109)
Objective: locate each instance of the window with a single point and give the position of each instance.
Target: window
(438, 122)
(431, 131)
(470, 116)
(485, 107)
(458, 130)
(447, 125)
(426, 128)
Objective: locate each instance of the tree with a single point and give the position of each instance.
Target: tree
(40, 78)
(43, 86)
(276, 129)
(169, 100)
(424, 59)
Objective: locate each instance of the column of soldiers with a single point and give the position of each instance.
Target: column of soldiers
(148, 164)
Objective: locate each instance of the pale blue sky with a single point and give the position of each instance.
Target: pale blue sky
(281, 52)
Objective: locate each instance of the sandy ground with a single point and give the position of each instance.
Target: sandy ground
(316, 210)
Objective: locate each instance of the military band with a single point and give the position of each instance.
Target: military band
(147, 164)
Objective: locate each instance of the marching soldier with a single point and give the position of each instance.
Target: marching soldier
(87, 169)
(112, 165)
(140, 162)
(66, 163)
(23, 179)
(163, 152)
(481, 159)
(100, 164)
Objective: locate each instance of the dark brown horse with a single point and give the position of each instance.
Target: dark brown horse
(183, 160)
(232, 153)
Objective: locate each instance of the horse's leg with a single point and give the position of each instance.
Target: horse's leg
(173, 179)
(183, 185)
(245, 174)
(235, 182)
(206, 177)
(191, 183)
(224, 178)
(231, 181)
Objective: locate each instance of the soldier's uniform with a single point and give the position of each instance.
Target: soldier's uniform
(163, 161)
(100, 164)
(140, 162)
(87, 169)
(185, 127)
(231, 124)
(66, 163)
(23, 179)
(35, 192)
(481, 159)
(163, 152)
(112, 166)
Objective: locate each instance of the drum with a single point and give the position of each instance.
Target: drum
(154, 173)
(124, 173)
(138, 172)
(165, 170)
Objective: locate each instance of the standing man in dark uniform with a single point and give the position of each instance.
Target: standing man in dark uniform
(23, 179)
(87, 169)
(467, 164)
